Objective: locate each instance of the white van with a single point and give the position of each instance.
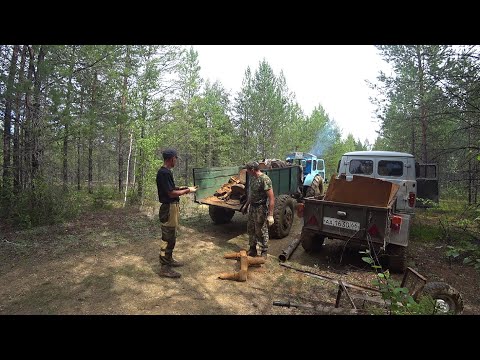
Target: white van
(396, 167)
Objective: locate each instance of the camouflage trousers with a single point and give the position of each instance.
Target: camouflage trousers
(257, 227)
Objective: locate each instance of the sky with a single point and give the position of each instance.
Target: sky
(330, 75)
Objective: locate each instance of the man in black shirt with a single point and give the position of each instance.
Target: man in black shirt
(169, 196)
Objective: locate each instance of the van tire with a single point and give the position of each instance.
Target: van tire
(220, 215)
(283, 214)
(311, 241)
(397, 258)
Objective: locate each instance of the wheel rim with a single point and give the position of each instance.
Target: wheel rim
(442, 306)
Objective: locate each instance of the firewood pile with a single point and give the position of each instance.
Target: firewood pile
(234, 189)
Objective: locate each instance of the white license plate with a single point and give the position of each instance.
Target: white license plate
(344, 224)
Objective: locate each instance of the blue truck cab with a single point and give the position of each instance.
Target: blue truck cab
(311, 164)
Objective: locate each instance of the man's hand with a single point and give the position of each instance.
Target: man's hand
(270, 220)
(193, 188)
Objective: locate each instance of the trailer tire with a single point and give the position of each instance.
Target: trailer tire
(447, 299)
(397, 258)
(311, 241)
(283, 214)
(316, 188)
(220, 215)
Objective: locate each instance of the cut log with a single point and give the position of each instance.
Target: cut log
(237, 191)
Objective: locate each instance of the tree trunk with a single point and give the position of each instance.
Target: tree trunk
(423, 110)
(120, 158)
(470, 180)
(27, 138)
(79, 139)
(7, 129)
(123, 118)
(79, 183)
(141, 152)
(17, 156)
(128, 167)
(37, 120)
(66, 119)
(90, 136)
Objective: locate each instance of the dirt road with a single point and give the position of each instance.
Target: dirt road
(107, 263)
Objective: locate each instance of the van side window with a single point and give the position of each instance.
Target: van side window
(364, 167)
(390, 168)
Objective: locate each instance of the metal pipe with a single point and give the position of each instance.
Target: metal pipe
(321, 309)
(285, 255)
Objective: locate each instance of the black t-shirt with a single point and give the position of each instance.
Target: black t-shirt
(165, 183)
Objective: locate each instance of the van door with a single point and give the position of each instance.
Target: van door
(427, 184)
(399, 171)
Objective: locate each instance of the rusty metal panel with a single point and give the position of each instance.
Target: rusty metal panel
(414, 282)
(361, 190)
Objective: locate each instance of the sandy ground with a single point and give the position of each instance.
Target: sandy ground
(107, 263)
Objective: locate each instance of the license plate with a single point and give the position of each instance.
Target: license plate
(344, 224)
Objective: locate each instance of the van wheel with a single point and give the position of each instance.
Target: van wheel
(283, 214)
(311, 241)
(316, 188)
(447, 299)
(397, 258)
(220, 215)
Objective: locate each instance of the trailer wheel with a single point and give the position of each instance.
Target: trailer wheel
(311, 241)
(447, 299)
(397, 258)
(283, 214)
(220, 215)
(316, 188)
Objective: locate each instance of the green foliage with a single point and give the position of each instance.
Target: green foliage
(427, 233)
(455, 223)
(397, 299)
(104, 196)
(45, 205)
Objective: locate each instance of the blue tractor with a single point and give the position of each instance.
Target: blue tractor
(313, 172)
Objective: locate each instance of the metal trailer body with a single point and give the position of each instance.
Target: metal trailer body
(286, 185)
(358, 223)
(362, 210)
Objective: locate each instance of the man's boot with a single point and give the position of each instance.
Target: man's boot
(167, 271)
(264, 254)
(252, 251)
(169, 260)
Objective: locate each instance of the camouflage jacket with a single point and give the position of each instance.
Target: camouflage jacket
(258, 188)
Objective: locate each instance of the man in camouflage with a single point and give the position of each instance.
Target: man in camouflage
(260, 204)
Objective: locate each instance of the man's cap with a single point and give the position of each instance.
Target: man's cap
(169, 153)
(251, 165)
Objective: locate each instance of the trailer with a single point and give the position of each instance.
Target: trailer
(287, 188)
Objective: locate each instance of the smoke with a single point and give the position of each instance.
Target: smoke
(325, 139)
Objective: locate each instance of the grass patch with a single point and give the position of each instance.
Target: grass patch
(426, 233)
